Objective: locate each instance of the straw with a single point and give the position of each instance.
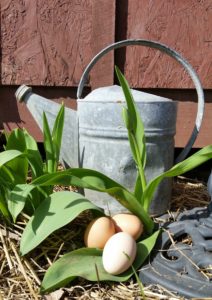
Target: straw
(20, 277)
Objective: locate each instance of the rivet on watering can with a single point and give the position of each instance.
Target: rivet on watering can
(95, 137)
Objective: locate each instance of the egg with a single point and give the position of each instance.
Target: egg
(128, 223)
(98, 232)
(119, 253)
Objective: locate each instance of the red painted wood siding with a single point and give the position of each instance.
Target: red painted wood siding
(185, 26)
(48, 43)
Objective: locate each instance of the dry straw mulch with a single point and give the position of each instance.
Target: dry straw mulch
(20, 277)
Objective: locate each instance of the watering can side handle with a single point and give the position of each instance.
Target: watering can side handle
(172, 53)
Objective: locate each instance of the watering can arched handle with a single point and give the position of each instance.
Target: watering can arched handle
(173, 54)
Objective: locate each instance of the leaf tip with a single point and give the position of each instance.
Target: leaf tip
(22, 252)
(42, 290)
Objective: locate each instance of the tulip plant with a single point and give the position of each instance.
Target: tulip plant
(52, 210)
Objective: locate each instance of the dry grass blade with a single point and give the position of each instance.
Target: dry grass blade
(182, 253)
(30, 268)
(20, 277)
(9, 261)
(188, 194)
(22, 269)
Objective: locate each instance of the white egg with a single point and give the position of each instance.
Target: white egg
(119, 253)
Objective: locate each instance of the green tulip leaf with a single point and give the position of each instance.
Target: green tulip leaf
(52, 141)
(17, 199)
(3, 204)
(87, 263)
(57, 131)
(49, 146)
(188, 164)
(53, 213)
(9, 155)
(33, 155)
(16, 141)
(135, 129)
(94, 180)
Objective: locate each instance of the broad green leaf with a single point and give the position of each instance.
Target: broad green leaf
(25, 197)
(14, 167)
(34, 199)
(9, 155)
(21, 140)
(135, 129)
(49, 147)
(85, 261)
(57, 131)
(55, 212)
(3, 209)
(6, 176)
(17, 199)
(3, 206)
(94, 180)
(16, 141)
(188, 164)
(33, 155)
(10, 170)
(138, 187)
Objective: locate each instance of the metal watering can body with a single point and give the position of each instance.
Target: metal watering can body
(104, 145)
(95, 137)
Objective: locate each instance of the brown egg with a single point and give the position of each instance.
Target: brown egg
(128, 223)
(98, 232)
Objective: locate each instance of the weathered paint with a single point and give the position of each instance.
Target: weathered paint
(72, 32)
(47, 42)
(182, 25)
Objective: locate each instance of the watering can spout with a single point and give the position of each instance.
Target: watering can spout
(99, 140)
(22, 91)
(37, 105)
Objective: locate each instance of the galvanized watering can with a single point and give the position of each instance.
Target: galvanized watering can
(95, 137)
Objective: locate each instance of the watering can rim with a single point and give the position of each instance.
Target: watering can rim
(119, 96)
(22, 91)
(170, 52)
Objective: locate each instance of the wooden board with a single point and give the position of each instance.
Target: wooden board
(103, 34)
(49, 43)
(182, 25)
(185, 124)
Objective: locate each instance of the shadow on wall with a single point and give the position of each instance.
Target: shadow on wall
(9, 114)
(121, 33)
(200, 173)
